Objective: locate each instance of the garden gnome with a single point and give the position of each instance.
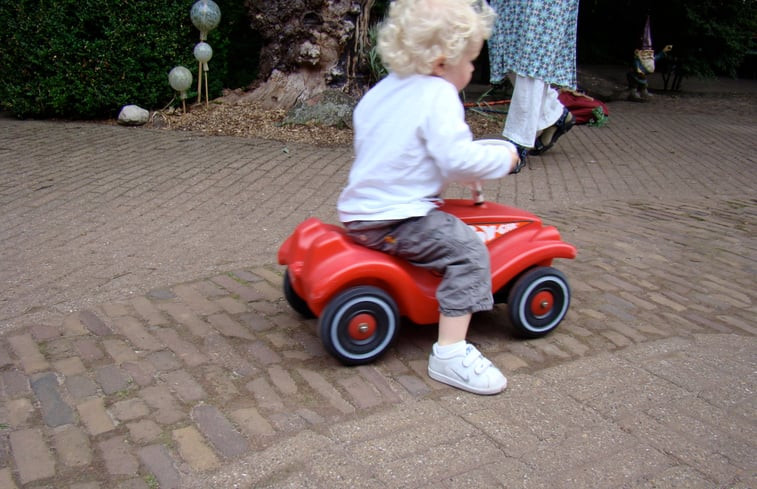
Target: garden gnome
(643, 65)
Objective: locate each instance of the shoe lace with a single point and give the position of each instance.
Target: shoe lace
(474, 357)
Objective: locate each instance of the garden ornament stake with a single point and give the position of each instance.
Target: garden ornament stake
(206, 16)
(180, 79)
(203, 52)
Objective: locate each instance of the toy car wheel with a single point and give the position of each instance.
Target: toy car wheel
(359, 324)
(295, 301)
(538, 301)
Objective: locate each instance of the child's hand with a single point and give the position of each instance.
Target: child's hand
(517, 162)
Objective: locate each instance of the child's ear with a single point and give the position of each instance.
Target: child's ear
(437, 69)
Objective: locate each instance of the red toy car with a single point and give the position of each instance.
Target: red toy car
(360, 294)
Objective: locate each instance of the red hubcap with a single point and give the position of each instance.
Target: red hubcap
(542, 303)
(362, 327)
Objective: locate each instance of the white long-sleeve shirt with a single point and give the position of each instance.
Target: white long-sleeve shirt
(411, 140)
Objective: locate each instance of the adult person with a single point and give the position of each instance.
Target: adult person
(533, 43)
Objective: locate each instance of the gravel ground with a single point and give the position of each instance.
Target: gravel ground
(225, 117)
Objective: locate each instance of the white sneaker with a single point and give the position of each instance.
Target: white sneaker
(467, 369)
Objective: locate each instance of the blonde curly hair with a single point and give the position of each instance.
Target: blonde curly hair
(417, 33)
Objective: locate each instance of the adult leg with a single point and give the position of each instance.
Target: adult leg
(534, 106)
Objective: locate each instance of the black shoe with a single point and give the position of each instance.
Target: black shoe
(523, 155)
(564, 124)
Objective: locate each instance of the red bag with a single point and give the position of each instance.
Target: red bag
(584, 108)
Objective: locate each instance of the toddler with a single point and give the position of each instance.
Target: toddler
(411, 140)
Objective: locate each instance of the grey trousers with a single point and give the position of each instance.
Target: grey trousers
(443, 243)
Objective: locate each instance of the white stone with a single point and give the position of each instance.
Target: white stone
(133, 115)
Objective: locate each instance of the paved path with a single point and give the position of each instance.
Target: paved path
(145, 342)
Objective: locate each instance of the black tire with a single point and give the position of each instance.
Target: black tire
(538, 301)
(359, 325)
(295, 301)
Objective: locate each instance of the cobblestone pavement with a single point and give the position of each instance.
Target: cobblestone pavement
(145, 341)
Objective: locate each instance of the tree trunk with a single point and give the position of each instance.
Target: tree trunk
(310, 46)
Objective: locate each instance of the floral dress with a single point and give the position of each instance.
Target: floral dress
(534, 38)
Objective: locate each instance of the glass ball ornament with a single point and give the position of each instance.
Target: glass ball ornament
(180, 79)
(203, 52)
(206, 16)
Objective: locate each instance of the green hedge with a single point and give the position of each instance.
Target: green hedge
(88, 58)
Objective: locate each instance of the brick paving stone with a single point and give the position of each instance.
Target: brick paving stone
(132, 484)
(94, 324)
(85, 485)
(159, 462)
(80, 387)
(6, 479)
(280, 339)
(116, 453)
(363, 395)
(72, 446)
(94, 416)
(252, 422)
(5, 357)
(115, 309)
(119, 351)
(136, 333)
(262, 353)
(129, 409)
(287, 422)
(266, 308)
(210, 290)
(88, 349)
(231, 305)
(414, 385)
(163, 361)
(323, 387)
(282, 380)
(508, 362)
(196, 301)
(55, 411)
(32, 456)
(255, 322)
(221, 351)
(69, 366)
(379, 382)
(220, 382)
(185, 386)
(185, 350)
(18, 412)
(144, 431)
(141, 372)
(73, 326)
(244, 292)
(148, 311)
(249, 276)
(27, 351)
(168, 410)
(112, 379)
(221, 433)
(267, 291)
(229, 327)
(161, 294)
(193, 449)
(188, 319)
(41, 332)
(265, 396)
(59, 348)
